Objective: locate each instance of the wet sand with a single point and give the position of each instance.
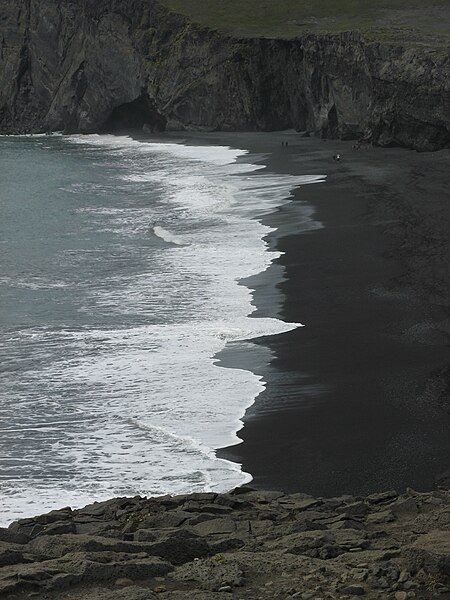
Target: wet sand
(357, 400)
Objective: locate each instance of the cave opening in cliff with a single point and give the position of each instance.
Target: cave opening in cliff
(140, 114)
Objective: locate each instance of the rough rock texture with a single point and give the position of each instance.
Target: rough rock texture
(79, 65)
(247, 544)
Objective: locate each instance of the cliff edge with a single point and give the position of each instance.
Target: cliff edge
(80, 66)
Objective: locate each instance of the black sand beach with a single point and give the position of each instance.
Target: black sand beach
(357, 400)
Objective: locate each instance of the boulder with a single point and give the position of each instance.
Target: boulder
(383, 516)
(353, 590)
(211, 574)
(55, 516)
(215, 526)
(14, 537)
(10, 554)
(430, 552)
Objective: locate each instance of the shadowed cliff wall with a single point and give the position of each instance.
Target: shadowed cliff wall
(68, 64)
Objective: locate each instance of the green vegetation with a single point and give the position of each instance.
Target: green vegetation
(407, 20)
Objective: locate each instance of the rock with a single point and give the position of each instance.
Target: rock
(383, 516)
(344, 523)
(409, 585)
(404, 506)
(382, 497)
(212, 573)
(309, 542)
(404, 576)
(58, 528)
(175, 546)
(55, 516)
(164, 519)
(358, 574)
(306, 525)
(353, 590)
(105, 509)
(306, 504)
(80, 568)
(219, 509)
(215, 526)
(351, 538)
(430, 552)
(355, 509)
(226, 544)
(179, 547)
(10, 554)
(145, 535)
(14, 537)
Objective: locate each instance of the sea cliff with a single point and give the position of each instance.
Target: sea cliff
(80, 66)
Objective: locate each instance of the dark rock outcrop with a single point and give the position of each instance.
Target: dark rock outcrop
(268, 546)
(78, 65)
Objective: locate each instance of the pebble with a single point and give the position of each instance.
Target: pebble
(401, 596)
(225, 588)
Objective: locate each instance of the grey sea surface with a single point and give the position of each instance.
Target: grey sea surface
(119, 283)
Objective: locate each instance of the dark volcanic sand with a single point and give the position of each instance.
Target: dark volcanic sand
(355, 400)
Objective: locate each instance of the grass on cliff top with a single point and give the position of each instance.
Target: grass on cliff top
(402, 20)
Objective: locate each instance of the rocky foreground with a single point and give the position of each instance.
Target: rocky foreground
(246, 544)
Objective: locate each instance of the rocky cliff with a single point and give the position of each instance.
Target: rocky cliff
(80, 65)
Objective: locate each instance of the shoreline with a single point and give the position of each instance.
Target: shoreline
(261, 545)
(356, 401)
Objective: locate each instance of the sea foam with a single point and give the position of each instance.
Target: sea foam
(124, 396)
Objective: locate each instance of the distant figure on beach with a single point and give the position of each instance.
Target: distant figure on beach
(284, 144)
(336, 157)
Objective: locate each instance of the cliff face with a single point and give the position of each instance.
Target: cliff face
(76, 65)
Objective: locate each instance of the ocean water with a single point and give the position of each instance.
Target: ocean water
(120, 263)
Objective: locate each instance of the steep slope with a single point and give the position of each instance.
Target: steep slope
(76, 65)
